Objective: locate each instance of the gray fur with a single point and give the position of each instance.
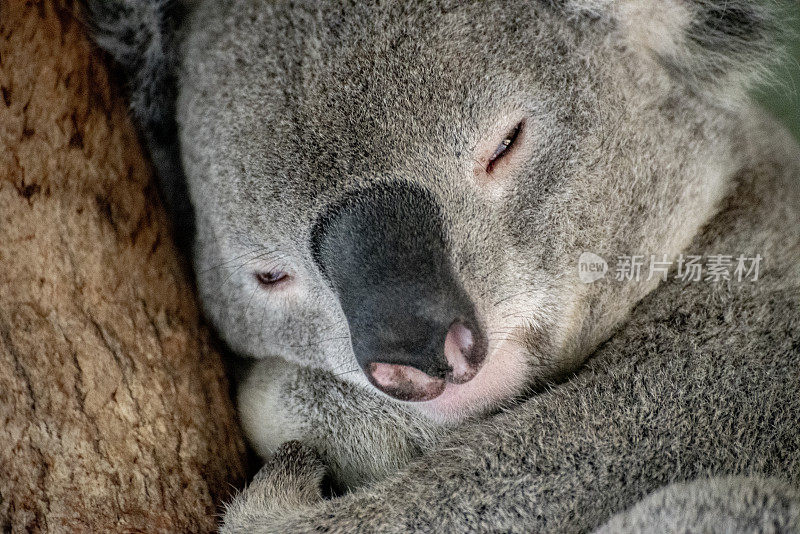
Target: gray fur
(139, 36)
(639, 140)
(733, 504)
(701, 382)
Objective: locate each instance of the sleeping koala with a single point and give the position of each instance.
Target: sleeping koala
(390, 203)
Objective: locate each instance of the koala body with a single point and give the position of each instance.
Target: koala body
(390, 202)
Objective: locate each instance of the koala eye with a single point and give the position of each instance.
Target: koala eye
(271, 278)
(504, 147)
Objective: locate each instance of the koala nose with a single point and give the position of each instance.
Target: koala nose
(408, 383)
(412, 326)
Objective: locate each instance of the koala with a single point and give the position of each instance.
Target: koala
(388, 204)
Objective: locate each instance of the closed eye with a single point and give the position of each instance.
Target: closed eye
(504, 148)
(271, 278)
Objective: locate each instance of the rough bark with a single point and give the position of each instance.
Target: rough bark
(115, 413)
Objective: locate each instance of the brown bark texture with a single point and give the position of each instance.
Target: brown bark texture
(115, 413)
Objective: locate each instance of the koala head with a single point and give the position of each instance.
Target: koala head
(399, 193)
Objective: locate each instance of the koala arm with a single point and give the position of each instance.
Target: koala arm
(730, 504)
(360, 435)
(682, 392)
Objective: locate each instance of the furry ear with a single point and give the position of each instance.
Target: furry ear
(140, 36)
(713, 45)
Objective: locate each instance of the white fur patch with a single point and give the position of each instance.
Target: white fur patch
(261, 409)
(655, 25)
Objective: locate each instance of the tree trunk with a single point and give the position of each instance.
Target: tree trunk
(115, 413)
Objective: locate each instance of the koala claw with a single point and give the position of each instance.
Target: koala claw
(289, 481)
(294, 473)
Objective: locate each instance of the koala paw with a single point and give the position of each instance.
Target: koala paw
(290, 480)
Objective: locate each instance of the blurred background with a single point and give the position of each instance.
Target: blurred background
(783, 97)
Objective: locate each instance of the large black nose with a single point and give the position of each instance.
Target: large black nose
(413, 327)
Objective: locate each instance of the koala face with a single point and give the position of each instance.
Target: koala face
(400, 193)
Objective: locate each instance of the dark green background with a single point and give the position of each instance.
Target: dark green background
(782, 97)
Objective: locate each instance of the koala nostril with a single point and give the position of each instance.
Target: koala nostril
(463, 356)
(404, 382)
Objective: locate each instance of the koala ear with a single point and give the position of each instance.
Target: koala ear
(712, 45)
(140, 36)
